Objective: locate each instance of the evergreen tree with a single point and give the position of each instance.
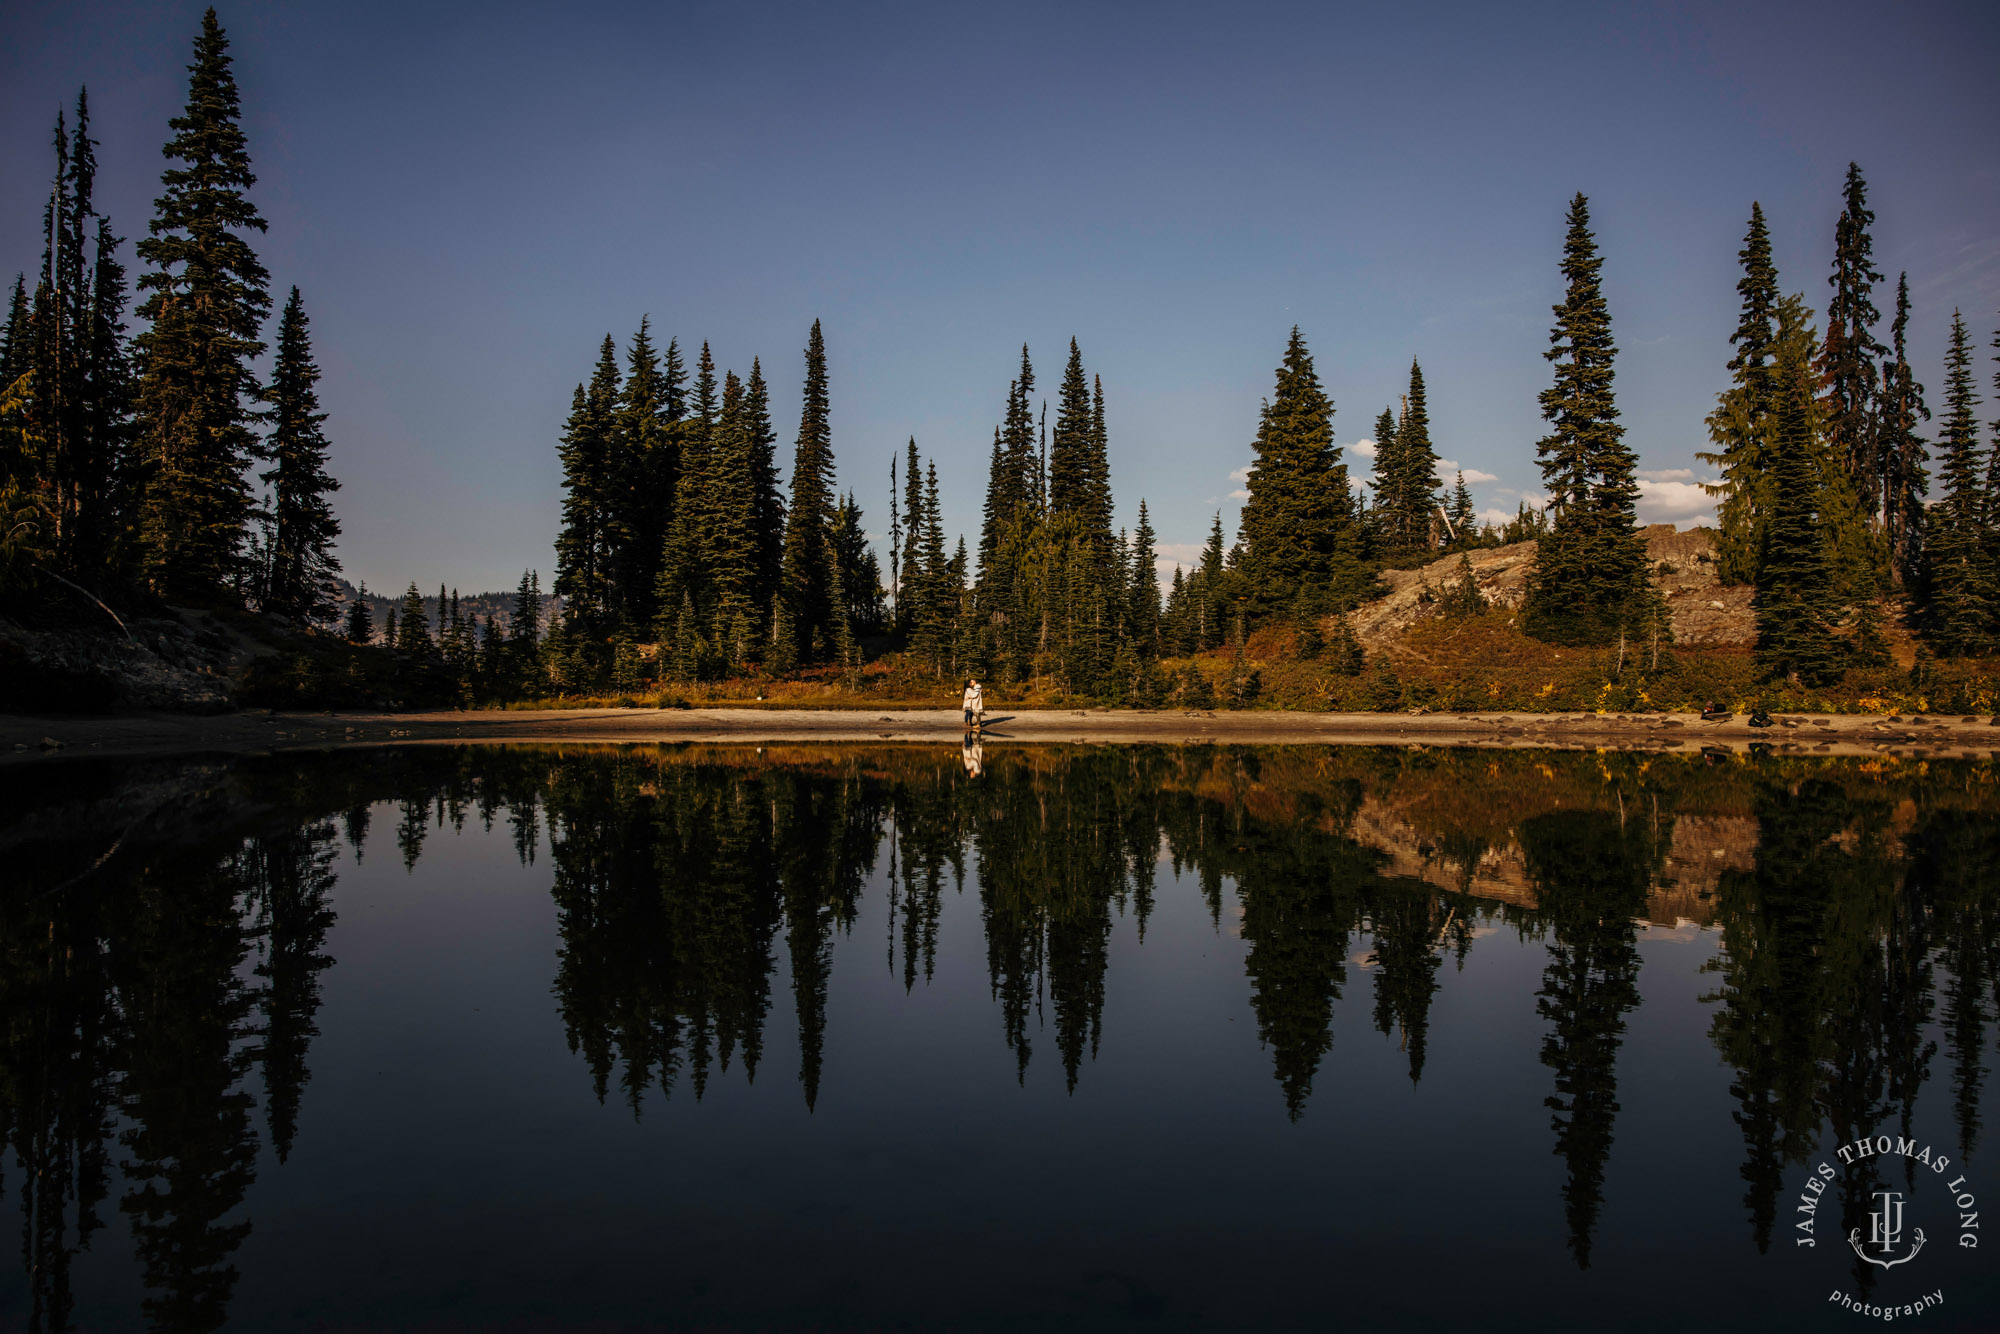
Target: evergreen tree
(643, 466)
(1412, 482)
(683, 562)
(206, 307)
(896, 540)
(524, 637)
(1464, 519)
(54, 320)
(1741, 419)
(413, 631)
(1993, 495)
(1345, 647)
(860, 572)
(1794, 594)
(1963, 600)
(768, 505)
(1021, 472)
(1849, 351)
(301, 582)
(807, 574)
(583, 543)
(1905, 479)
(15, 356)
(685, 658)
(360, 628)
(992, 515)
(1174, 617)
(110, 385)
(71, 338)
(1588, 585)
(493, 682)
(910, 575)
(1298, 524)
(1097, 510)
(1462, 598)
(1143, 620)
(1386, 461)
(1211, 610)
(930, 543)
(729, 541)
(1016, 559)
(1070, 463)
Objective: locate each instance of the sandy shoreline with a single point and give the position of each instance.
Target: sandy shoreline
(22, 737)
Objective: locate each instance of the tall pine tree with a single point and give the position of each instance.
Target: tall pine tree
(1849, 351)
(360, 626)
(806, 597)
(72, 339)
(206, 306)
(1298, 525)
(1904, 453)
(301, 581)
(768, 503)
(1412, 482)
(1097, 507)
(643, 465)
(583, 544)
(17, 338)
(682, 577)
(1144, 617)
(1588, 585)
(1740, 421)
(1070, 489)
(1378, 524)
(910, 577)
(1794, 594)
(1963, 600)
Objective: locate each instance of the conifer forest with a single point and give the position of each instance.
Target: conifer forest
(162, 444)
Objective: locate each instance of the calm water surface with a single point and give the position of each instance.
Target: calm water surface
(1148, 1038)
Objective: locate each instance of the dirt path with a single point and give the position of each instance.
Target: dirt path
(22, 738)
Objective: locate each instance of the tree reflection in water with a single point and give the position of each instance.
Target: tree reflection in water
(165, 925)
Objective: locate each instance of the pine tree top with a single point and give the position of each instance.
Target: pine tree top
(195, 221)
(1580, 404)
(1759, 289)
(1958, 433)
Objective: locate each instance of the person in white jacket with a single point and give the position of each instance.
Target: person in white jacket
(974, 702)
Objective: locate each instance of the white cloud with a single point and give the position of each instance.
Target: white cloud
(1497, 517)
(1239, 495)
(1167, 555)
(1664, 474)
(1449, 468)
(1681, 503)
(1365, 448)
(1241, 474)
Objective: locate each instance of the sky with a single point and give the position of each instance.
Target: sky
(469, 197)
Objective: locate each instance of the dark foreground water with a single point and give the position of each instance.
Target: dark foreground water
(1149, 1038)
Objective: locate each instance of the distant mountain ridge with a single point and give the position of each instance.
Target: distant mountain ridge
(472, 606)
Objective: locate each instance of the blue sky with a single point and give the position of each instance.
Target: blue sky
(471, 196)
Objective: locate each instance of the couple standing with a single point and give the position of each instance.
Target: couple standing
(974, 702)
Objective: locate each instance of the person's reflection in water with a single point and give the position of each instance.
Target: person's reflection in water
(974, 756)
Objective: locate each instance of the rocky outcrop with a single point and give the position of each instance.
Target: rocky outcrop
(189, 663)
(1699, 851)
(1700, 609)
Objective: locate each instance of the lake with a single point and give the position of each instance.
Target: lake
(1035, 1037)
